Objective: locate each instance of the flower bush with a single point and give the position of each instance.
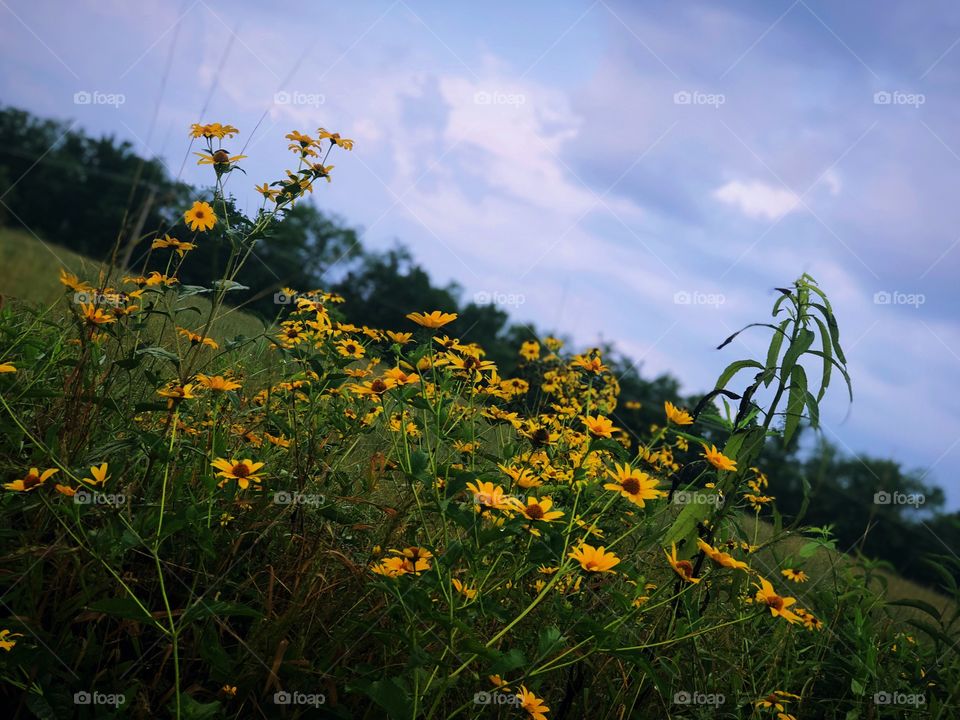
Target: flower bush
(341, 521)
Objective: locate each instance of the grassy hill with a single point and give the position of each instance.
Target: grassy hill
(30, 267)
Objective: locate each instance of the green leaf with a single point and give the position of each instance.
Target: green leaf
(698, 508)
(773, 352)
(799, 346)
(229, 285)
(159, 352)
(392, 696)
(218, 608)
(122, 607)
(188, 290)
(843, 371)
(919, 605)
(827, 359)
(813, 409)
(795, 402)
(192, 709)
(551, 639)
(732, 369)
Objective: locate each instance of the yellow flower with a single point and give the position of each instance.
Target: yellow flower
(350, 349)
(797, 576)
(524, 477)
(401, 338)
(718, 459)
(433, 320)
(321, 171)
(99, 475)
(229, 690)
(530, 350)
(676, 415)
(200, 216)
(65, 490)
(94, 315)
(590, 363)
(721, 558)
(243, 471)
(469, 592)
(268, 192)
(7, 368)
(492, 496)
(400, 378)
(776, 700)
(778, 605)
(7, 641)
(389, 567)
(175, 393)
(532, 704)
(198, 339)
(217, 158)
(31, 481)
(335, 139)
(811, 622)
(415, 559)
(375, 387)
(217, 383)
(594, 559)
(168, 242)
(540, 510)
(498, 682)
(599, 426)
(73, 282)
(683, 568)
(634, 484)
(212, 130)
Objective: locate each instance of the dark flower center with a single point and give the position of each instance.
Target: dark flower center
(540, 436)
(31, 480)
(685, 568)
(534, 512)
(631, 485)
(241, 470)
(378, 386)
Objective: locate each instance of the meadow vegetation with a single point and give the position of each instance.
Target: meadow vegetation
(209, 515)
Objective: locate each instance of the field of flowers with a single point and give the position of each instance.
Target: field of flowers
(352, 522)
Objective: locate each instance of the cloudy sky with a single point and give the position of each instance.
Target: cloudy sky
(644, 173)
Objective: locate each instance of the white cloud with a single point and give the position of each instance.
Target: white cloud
(758, 200)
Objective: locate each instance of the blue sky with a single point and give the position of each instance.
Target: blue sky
(593, 163)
